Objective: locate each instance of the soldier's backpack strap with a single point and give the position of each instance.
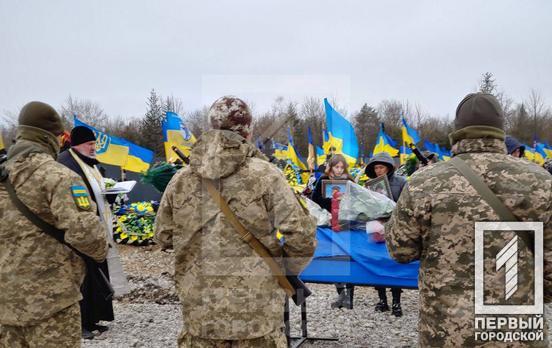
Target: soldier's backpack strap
(489, 196)
(291, 284)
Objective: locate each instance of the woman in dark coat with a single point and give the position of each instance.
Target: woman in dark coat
(383, 164)
(336, 169)
(94, 307)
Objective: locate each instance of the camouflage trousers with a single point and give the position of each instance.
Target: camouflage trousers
(277, 339)
(62, 330)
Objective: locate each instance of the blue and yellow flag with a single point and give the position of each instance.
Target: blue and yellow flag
(409, 135)
(320, 156)
(296, 159)
(280, 151)
(139, 159)
(109, 149)
(548, 151)
(341, 134)
(529, 153)
(405, 152)
(540, 154)
(175, 133)
(442, 154)
(384, 145)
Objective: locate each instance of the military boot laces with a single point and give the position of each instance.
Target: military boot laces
(397, 310)
(382, 306)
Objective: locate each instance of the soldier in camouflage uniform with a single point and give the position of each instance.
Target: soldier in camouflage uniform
(229, 297)
(434, 223)
(40, 277)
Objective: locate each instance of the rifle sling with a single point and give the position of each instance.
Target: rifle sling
(249, 238)
(490, 197)
(38, 222)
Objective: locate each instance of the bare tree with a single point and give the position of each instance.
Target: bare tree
(86, 110)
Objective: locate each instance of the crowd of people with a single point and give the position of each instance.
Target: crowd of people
(51, 289)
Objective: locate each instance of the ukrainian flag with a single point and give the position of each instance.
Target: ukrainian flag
(296, 159)
(540, 154)
(383, 144)
(109, 149)
(320, 156)
(175, 133)
(548, 151)
(139, 158)
(280, 151)
(409, 135)
(341, 134)
(529, 153)
(405, 153)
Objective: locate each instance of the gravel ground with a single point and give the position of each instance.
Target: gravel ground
(150, 315)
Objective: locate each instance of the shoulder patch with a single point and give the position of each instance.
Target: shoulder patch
(81, 197)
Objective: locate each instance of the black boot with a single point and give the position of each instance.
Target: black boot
(382, 305)
(348, 300)
(397, 310)
(87, 334)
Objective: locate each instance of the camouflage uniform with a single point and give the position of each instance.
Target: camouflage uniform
(227, 292)
(434, 223)
(39, 277)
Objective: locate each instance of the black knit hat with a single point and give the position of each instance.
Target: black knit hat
(479, 109)
(41, 115)
(81, 134)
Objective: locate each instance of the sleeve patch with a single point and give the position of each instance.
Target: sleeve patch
(81, 197)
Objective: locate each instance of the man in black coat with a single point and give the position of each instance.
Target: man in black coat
(93, 306)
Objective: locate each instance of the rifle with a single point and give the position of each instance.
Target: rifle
(418, 154)
(181, 155)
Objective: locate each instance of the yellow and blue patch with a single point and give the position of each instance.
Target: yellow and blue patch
(81, 197)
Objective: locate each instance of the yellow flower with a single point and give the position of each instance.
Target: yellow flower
(134, 238)
(119, 229)
(122, 218)
(149, 209)
(124, 235)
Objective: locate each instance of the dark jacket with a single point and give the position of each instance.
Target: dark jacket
(93, 306)
(396, 182)
(317, 195)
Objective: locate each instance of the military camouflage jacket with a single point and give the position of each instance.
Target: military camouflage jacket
(38, 275)
(226, 290)
(434, 223)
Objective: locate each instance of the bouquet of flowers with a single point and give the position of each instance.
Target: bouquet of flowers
(135, 223)
(109, 183)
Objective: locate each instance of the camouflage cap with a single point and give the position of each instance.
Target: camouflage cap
(231, 113)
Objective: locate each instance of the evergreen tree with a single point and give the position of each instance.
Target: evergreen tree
(487, 84)
(150, 126)
(366, 123)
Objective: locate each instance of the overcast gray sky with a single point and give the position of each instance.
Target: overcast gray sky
(426, 52)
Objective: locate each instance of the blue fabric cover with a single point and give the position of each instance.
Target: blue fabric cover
(352, 257)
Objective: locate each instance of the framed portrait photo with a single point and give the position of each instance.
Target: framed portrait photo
(380, 185)
(331, 186)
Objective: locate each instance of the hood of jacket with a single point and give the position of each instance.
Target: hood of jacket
(30, 140)
(220, 153)
(512, 144)
(380, 158)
